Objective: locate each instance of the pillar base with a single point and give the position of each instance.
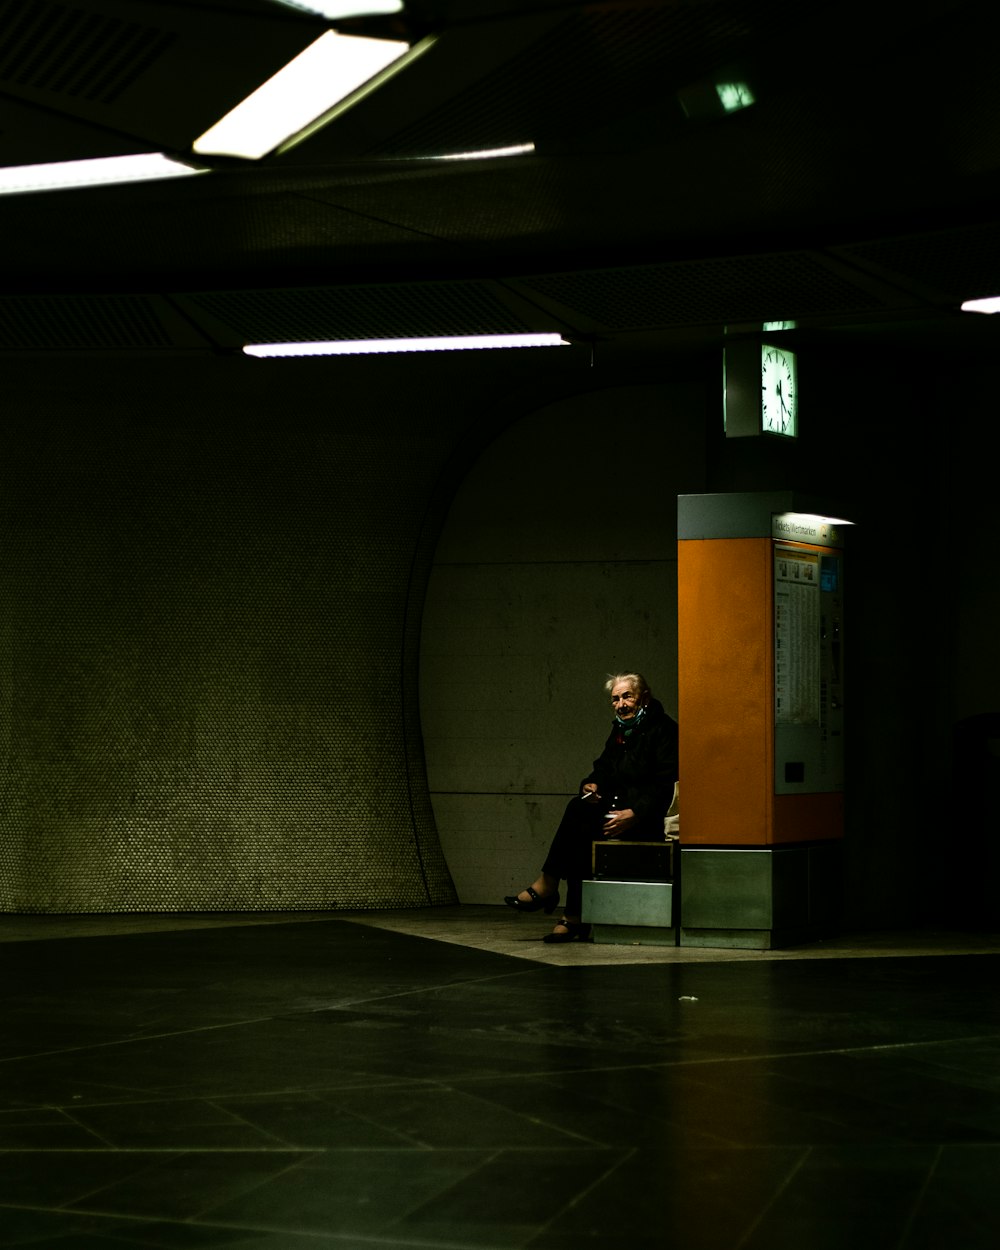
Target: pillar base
(759, 898)
(630, 913)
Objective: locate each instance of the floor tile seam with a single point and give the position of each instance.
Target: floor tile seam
(629, 1114)
(584, 955)
(949, 1072)
(812, 1120)
(291, 1013)
(110, 1043)
(143, 1169)
(407, 1141)
(679, 954)
(562, 957)
(460, 1079)
(235, 1118)
(70, 1118)
(349, 1239)
(490, 1153)
(312, 1151)
(384, 1238)
(262, 1182)
(286, 1014)
(308, 1153)
(848, 1051)
(583, 1193)
(714, 1060)
(543, 1122)
(768, 1206)
(154, 930)
(918, 1201)
(421, 989)
(146, 1099)
(175, 1150)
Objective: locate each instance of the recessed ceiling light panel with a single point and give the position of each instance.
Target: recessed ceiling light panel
(101, 171)
(328, 76)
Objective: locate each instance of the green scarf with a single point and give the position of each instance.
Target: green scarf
(628, 727)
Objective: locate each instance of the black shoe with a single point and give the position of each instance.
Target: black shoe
(538, 901)
(574, 932)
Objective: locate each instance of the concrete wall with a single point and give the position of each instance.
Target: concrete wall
(210, 590)
(557, 564)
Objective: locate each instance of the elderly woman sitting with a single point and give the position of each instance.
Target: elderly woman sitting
(626, 793)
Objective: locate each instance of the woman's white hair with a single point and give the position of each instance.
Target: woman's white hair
(636, 683)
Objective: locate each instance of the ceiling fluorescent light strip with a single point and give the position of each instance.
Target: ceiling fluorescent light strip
(101, 171)
(335, 10)
(325, 79)
(485, 154)
(989, 305)
(443, 343)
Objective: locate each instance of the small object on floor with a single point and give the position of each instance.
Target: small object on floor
(538, 901)
(573, 932)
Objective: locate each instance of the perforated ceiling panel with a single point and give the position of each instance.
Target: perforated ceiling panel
(955, 264)
(391, 311)
(67, 51)
(749, 288)
(153, 73)
(34, 323)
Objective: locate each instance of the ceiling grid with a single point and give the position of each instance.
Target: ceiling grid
(634, 215)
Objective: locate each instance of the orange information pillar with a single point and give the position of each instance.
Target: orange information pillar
(760, 709)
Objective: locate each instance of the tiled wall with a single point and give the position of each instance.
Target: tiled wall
(209, 618)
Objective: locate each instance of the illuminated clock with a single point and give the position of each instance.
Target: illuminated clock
(778, 390)
(760, 389)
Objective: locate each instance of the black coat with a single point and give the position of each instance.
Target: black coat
(640, 769)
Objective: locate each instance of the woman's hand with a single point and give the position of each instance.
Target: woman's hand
(589, 793)
(616, 823)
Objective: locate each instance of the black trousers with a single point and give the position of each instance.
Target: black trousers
(570, 856)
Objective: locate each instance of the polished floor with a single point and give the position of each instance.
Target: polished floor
(442, 1079)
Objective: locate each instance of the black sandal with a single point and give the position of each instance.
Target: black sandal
(538, 901)
(574, 932)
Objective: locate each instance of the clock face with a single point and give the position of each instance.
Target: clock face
(779, 404)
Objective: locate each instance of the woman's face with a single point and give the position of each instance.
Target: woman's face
(624, 700)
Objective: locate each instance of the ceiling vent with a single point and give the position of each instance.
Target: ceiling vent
(955, 265)
(65, 51)
(158, 74)
(339, 313)
(83, 322)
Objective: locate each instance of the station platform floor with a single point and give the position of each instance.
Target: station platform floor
(441, 1079)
